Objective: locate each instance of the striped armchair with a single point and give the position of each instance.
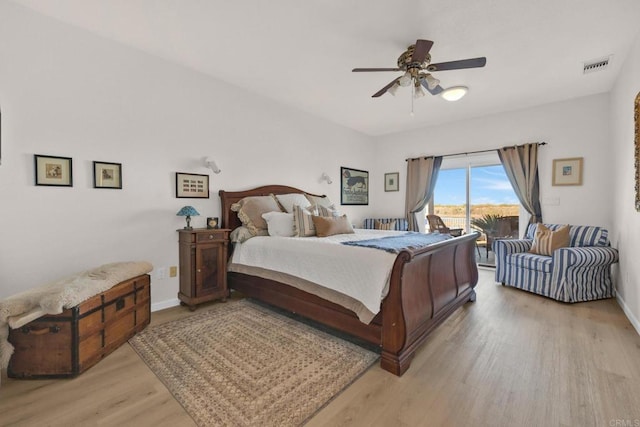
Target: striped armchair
(581, 272)
(401, 223)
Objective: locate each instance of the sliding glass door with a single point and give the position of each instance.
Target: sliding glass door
(475, 194)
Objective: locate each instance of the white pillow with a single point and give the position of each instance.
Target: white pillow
(288, 200)
(279, 223)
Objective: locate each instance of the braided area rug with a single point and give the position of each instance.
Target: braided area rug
(241, 364)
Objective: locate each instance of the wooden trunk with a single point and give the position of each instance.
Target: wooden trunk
(69, 343)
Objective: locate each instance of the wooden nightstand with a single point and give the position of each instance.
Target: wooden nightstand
(203, 265)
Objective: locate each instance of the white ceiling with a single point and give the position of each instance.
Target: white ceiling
(301, 52)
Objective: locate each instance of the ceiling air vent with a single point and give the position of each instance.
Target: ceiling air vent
(596, 65)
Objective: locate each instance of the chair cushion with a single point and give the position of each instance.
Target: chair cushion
(530, 261)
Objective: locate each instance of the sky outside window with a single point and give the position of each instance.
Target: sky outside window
(489, 185)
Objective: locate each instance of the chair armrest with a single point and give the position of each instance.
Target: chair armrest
(586, 256)
(510, 246)
(456, 232)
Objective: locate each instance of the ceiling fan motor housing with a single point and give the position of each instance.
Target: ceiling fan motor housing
(405, 62)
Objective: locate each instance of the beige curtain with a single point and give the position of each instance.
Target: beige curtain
(422, 174)
(521, 165)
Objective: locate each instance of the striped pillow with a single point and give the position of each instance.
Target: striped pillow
(391, 225)
(302, 221)
(546, 241)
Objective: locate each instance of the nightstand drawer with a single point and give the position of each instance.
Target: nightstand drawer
(210, 236)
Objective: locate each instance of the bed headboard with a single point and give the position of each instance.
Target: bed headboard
(228, 198)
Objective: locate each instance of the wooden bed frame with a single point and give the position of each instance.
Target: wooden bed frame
(427, 285)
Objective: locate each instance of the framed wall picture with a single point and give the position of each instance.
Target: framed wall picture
(354, 188)
(567, 171)
(107, 175)
(192, 186)
(53, 171)
(391, 181)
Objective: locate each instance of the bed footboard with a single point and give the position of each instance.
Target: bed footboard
(427, 286)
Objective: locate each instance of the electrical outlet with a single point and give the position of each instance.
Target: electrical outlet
(161, 273)
(173, 271)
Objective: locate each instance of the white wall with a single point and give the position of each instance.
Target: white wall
(66, 92)
(626, 230)
(575, 128)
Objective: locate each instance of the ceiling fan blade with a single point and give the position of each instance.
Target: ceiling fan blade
(458, 65)
(385, 89)
(359, 70)
(422, 49)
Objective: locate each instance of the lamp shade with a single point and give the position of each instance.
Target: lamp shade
(393, 89)
(405, 80)
(188, 211)
(432, 82)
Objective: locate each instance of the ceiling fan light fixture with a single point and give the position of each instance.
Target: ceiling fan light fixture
(393, 89)
(405, 80)
(454, 93)
(418, 92)
(432, 82)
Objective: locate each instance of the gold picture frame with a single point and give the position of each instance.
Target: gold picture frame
(567, 171)
(53, 171)
(637, 149)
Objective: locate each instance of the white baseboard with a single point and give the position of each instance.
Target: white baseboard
(165, 304)
(632, 318)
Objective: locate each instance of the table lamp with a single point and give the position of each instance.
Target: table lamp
(188, 211)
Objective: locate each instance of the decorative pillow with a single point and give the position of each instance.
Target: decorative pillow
(319, 200)
(279, 223)
(379, 225)
(546, 241)
(288, 200)
(303, 222)
(329, 226)
(250, 210)
(242, 234)
(321, 210)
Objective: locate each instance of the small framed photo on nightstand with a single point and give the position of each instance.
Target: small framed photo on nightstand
(212, 222)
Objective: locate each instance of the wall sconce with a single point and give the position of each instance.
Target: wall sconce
(211, 164)
(325, 177)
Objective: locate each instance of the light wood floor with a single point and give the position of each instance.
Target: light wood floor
(510, 359)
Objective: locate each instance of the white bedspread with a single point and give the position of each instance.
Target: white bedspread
(360, 273)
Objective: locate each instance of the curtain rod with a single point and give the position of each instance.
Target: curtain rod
(467, 152)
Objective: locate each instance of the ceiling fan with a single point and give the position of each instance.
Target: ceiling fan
(414, 62)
